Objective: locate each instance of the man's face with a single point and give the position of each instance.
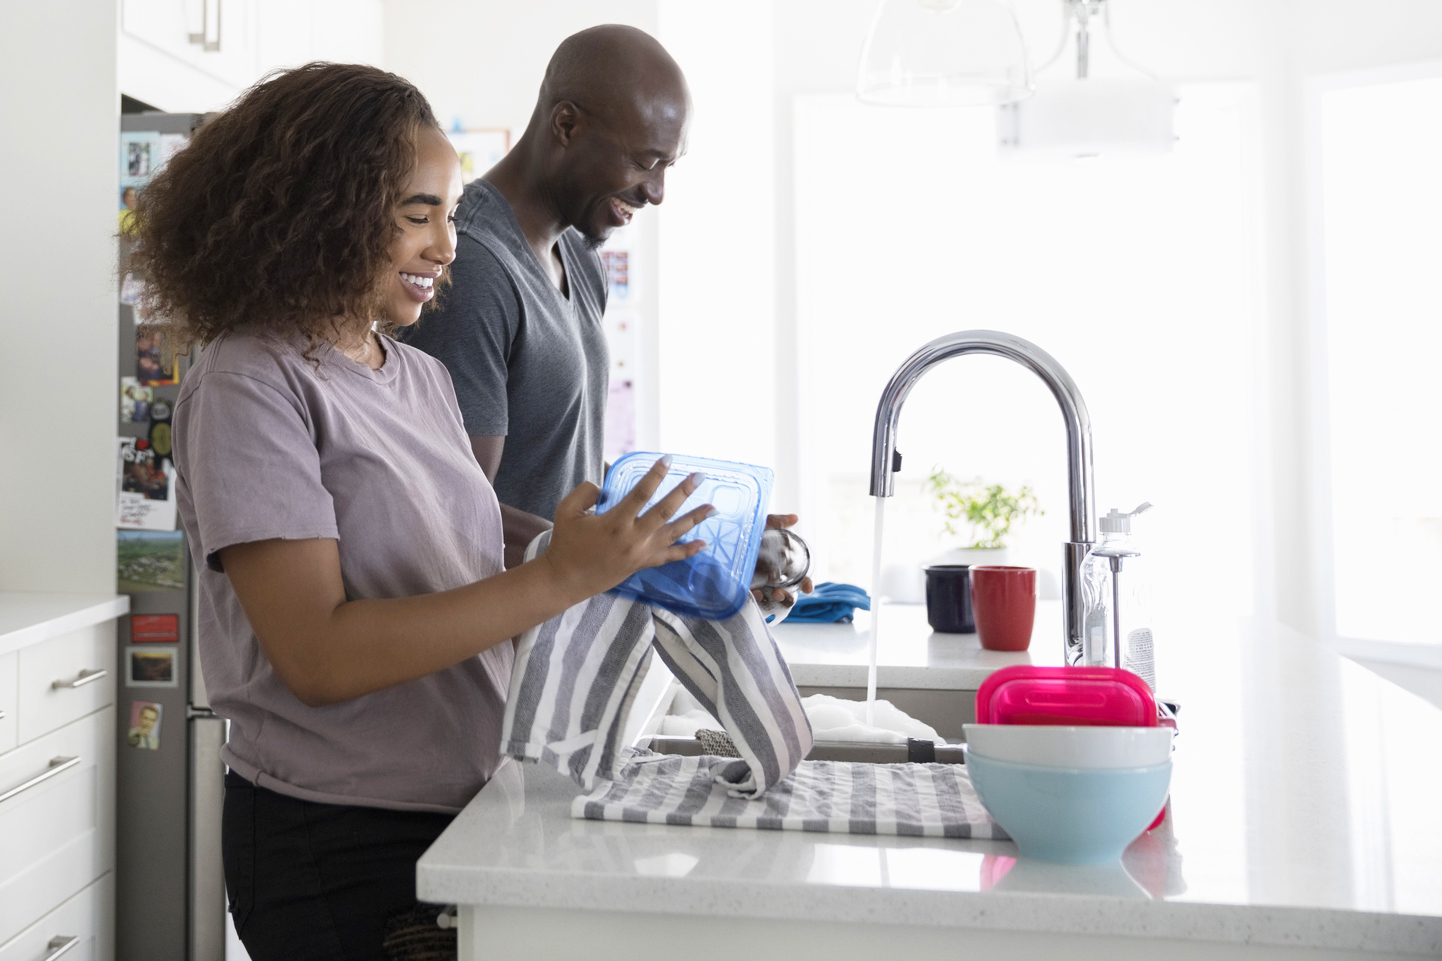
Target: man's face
(616, 163)
(148, 718)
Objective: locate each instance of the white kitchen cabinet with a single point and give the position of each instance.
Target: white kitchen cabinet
(216, 37)
(9, 692)
(59, 829)
(57, 774)
(86, 918)
(160, 65)
(65, 678)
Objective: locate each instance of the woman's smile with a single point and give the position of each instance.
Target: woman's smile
(420, 286)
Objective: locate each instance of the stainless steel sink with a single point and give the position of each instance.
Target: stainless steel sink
(822, 751)
(946, 711)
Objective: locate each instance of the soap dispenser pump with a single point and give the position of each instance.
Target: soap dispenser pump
(1132, 650)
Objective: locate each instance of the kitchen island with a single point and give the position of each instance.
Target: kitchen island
(1301, 825)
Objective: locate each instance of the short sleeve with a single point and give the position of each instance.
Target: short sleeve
(248, 464)
(471, 331)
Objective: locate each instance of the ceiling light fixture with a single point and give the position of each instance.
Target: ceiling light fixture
(1089, 116)
(943, 53)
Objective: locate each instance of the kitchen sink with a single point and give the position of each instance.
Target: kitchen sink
(946, 711)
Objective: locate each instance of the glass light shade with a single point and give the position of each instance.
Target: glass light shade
(1093, 117)
(943, 53)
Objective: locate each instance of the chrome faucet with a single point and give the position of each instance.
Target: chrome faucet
(885, 460)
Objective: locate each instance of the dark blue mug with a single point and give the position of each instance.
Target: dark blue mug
(948, 599)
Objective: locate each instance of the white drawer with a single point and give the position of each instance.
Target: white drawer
(59, 832)
(89, 917)
(66, 660)
(9, 692)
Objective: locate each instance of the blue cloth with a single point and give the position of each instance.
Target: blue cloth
(829, 603)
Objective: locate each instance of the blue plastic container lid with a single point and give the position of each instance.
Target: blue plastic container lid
(714, 583)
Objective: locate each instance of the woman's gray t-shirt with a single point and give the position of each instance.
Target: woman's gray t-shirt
(271, 445)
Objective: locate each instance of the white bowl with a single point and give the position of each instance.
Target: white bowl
(1075, 747)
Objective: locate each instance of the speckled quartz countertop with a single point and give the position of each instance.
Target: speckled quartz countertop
(1302, 816)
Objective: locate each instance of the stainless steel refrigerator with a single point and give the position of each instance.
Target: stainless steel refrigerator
(170, 889)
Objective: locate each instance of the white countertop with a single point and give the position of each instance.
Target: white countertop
(912, 655)
(1302, 814)
(27, 619)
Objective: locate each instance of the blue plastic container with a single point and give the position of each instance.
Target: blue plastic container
(1070, 815)
(714, 583)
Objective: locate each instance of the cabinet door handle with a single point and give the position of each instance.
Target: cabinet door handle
(57, 765)
(202, 39)
(60, 944)
(80, 680)
(2, 715)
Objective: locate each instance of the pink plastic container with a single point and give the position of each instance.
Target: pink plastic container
(1107, 696)
(1078, 696)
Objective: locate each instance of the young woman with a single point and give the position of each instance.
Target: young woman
(354, 607)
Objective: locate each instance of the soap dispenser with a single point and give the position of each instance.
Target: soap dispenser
(1108, 617)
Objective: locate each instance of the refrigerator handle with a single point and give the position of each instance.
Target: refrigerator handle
(207, 800)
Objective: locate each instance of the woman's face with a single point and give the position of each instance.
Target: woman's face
(427, 241)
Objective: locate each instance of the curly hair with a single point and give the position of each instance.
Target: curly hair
(281, 211)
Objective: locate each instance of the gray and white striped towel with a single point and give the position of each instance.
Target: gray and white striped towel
(576, 676)
(917, 800)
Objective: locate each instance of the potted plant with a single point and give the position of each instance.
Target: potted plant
(987, 512)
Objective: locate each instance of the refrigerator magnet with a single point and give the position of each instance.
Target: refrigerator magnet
(159, 434)
(144, 488)
(144, 730)
(150, 561)
(154, 628)
(135, 401)
(151, 667)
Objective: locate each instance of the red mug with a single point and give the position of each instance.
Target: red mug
(1003, 601)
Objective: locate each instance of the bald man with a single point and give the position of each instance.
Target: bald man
(520, 327)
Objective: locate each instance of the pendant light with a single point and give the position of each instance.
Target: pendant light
(943, 53)
(1087, 116)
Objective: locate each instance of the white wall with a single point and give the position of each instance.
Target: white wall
(717, 242)
(58, 154)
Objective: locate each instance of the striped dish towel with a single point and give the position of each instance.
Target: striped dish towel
(575, 680)
(915, 800)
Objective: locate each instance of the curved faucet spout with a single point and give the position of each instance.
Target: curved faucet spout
(885, 461)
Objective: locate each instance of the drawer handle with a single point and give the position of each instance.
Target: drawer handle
(80, 680)
(60, 944)
(57, 765)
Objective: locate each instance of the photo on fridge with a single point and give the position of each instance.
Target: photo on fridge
(156, 363)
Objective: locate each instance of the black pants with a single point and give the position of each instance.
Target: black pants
(327, 881)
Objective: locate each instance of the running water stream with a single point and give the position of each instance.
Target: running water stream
(875, 607)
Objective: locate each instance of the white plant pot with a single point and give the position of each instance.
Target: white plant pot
(974, 556)
(903, 583)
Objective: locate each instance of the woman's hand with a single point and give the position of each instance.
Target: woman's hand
(590, 553)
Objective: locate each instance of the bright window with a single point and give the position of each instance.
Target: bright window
(1140, 276)
(1379, 147)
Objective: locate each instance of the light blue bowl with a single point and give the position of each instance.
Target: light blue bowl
(1070, 815)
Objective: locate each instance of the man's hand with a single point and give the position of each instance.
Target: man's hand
(780, 522)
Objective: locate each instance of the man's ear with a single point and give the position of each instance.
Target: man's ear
(565, 118)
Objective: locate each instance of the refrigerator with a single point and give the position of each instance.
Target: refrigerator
(170, 888)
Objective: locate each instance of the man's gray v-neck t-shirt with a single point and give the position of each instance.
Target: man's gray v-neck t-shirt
(528, 362)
